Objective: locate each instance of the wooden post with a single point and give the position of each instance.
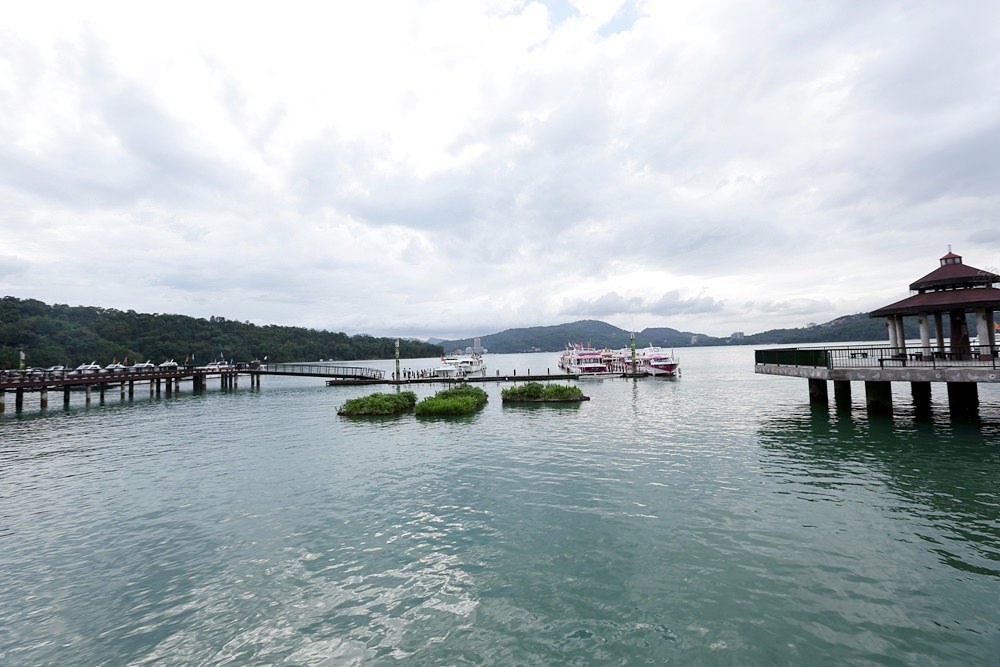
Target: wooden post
(18, 399)
(65, 395)
(43, 398)
(3, 404)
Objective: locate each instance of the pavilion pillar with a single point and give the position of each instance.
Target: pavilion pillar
(900, 334)
(939, 329)
(842, 393)
(890, 324)
(983, 332)
(921, 392)
(960, 335)
(817, 391)
(963, 398)
(992, 331)
(925, 335)
(878, 396)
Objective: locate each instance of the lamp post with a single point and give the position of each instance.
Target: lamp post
(397, 360)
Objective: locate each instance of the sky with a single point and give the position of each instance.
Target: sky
(453, 168)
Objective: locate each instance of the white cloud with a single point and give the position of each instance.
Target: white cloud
(456, 168)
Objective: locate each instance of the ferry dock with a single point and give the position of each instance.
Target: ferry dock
(158, 381)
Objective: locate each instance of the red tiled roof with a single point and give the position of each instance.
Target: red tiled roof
(968, 299)
(954, 275)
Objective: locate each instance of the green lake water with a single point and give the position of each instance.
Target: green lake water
(716, 519)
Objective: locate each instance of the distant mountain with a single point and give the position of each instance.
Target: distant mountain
(848, 328)
(592, 332)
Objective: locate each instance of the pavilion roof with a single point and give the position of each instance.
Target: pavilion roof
(954, 275)
(968, 299)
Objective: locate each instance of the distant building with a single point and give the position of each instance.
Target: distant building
(694, 339)
(736, 335)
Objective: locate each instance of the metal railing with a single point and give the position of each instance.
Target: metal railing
(882, 356)
(324, 370)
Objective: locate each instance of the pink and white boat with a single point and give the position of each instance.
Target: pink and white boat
(658, 361)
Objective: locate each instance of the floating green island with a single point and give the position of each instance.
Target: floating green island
(460, 400)
(376, 405)
(536, 392)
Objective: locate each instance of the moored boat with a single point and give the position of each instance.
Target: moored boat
(580, 360)
(461, 365)
(658, 361)
(88, 369)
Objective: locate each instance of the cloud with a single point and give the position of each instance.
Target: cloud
(457, 168)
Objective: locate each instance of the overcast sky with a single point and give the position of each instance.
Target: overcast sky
(459, 167)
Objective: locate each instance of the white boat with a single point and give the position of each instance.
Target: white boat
(580, 360)
(461, 365)
(142, 367)
(168, 365)
(217, 366)
(658, 361)
(88, 369)
(115, 368)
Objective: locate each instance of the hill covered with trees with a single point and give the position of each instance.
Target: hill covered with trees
(857, 327)
(70, 335)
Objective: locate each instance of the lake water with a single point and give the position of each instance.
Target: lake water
(717, 519)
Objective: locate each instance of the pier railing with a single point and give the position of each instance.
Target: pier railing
(881, 356)
(324, 370)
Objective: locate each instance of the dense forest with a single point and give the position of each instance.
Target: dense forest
(70, 335)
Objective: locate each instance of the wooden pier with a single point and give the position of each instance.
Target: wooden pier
(507, 377)
(158, 380)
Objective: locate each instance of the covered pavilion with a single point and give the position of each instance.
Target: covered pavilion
(953, 289)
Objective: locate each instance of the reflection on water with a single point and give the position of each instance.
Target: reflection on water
(943, 473)
(715, 519)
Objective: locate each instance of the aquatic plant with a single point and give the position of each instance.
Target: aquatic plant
(379, 404)
(537, 392)
(460, 400)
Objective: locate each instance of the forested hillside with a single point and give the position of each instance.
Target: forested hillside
(857, 327)
(70, 335)
(592, 332)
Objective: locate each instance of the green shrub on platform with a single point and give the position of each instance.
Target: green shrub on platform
(379, 404)
(460, 400)
(536, 392)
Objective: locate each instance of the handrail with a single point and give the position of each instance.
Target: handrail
(882, 356)
(323, 370)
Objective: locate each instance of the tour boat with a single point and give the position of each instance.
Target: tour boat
(142, 367)
(579, 360)
(657, 361)
(88, 369)
(462, 365)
